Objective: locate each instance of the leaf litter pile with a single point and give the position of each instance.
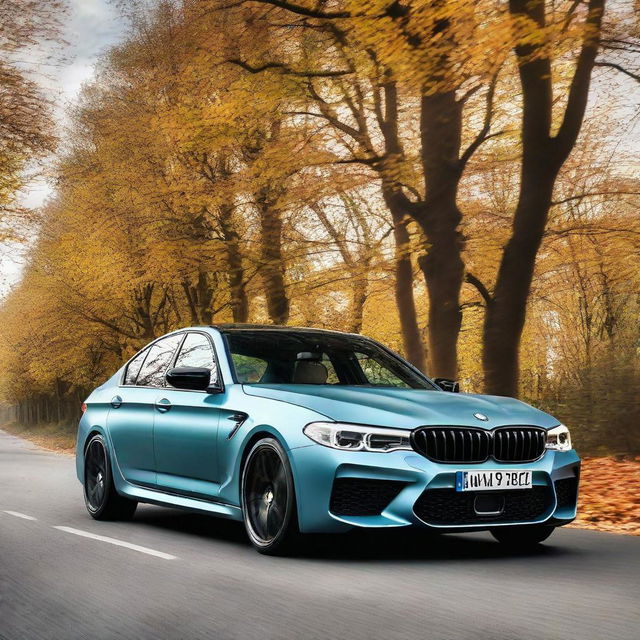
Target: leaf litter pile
(609, 497)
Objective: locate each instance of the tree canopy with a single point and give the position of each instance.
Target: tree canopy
(448, 177)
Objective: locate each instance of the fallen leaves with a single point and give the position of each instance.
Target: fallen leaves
(609, 498)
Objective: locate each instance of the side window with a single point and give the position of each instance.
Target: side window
(377, 374)
(248, 368)
(196, 351)
(134, 367)
(155, 366)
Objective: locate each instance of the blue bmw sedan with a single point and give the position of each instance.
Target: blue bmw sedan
(296, 430)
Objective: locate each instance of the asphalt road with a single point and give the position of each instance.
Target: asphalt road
(191, 576)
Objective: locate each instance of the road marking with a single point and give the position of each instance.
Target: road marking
(118, 543)
(17, 514)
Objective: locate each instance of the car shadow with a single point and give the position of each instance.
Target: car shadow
(418, 544)
(357, 545)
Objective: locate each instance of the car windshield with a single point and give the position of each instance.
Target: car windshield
(313, 357)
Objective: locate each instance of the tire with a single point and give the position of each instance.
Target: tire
(102, 500)
(522, 537)
(268, 499)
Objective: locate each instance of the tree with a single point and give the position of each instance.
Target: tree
(26, 128)
(543, 154)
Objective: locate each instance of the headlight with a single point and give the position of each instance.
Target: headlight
(559, 438)
(352, 437)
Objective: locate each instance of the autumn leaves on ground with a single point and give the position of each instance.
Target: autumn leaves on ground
(609, 495)
(457, 179)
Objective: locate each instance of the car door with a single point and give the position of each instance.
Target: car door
(130, 420)
(186, 427)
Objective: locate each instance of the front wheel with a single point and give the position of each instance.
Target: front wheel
(522, 537)
(102, 500)
(268, 499)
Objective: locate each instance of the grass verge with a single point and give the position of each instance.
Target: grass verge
(55, 437)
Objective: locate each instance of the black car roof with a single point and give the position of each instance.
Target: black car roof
(277, 327)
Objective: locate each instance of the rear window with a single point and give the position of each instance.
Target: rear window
(157, 361)
(133, 369)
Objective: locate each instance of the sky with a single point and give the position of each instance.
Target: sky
(90, 28)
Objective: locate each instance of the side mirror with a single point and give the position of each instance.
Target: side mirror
(447, 385)
(195, 378)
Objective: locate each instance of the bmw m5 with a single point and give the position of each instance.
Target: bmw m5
(295, 431)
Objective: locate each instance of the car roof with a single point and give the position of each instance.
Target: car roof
(238, 327)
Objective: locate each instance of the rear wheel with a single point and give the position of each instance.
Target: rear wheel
(100, 496)
(522, 537)
(268, 499)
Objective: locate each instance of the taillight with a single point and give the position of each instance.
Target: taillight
(83, 407)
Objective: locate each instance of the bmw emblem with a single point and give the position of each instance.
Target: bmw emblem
(480, 416)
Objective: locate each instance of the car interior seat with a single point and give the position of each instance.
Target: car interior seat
(309, 370)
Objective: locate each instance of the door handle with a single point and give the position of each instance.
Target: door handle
(162, 405)
(116, 402)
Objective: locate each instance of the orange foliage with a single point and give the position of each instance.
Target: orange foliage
(609, 498)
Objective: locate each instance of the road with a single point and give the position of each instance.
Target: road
(171, 574)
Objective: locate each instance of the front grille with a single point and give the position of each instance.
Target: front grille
(567, 492)
(518, 444)
(361, 497)
(470, 445)
(449, 507)
(452, 444)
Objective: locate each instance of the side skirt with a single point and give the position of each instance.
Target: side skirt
(165, 499)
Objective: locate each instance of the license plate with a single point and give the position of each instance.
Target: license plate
(493, 480)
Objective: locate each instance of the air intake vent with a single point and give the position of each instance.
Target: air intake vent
(466, 445)
(363, 497)
(451, 507)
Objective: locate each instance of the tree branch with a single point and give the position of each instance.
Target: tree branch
(581, 196)
(579, 90)
(482, 290)
(286, 70)
(486, 126)
(619, 68)
(305, 11)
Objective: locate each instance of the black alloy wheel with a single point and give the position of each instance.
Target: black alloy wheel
(268, 499)
(100, 496)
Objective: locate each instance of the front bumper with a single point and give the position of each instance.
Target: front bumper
(418, 492)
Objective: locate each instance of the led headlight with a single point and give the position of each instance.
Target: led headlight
(559, 438)
(353, 437)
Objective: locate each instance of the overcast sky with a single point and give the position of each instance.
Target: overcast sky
(90, 28)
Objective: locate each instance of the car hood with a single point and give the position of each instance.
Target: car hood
(404, 408)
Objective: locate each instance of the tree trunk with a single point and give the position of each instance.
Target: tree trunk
(405, 301)
(439, 218)
(506, 312)
(235, 269)
(542, 157)
(272, 267)
(358, 298)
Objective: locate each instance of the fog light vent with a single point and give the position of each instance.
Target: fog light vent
(363, 497)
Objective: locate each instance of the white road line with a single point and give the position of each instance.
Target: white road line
(17, 514)
(118, 543)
